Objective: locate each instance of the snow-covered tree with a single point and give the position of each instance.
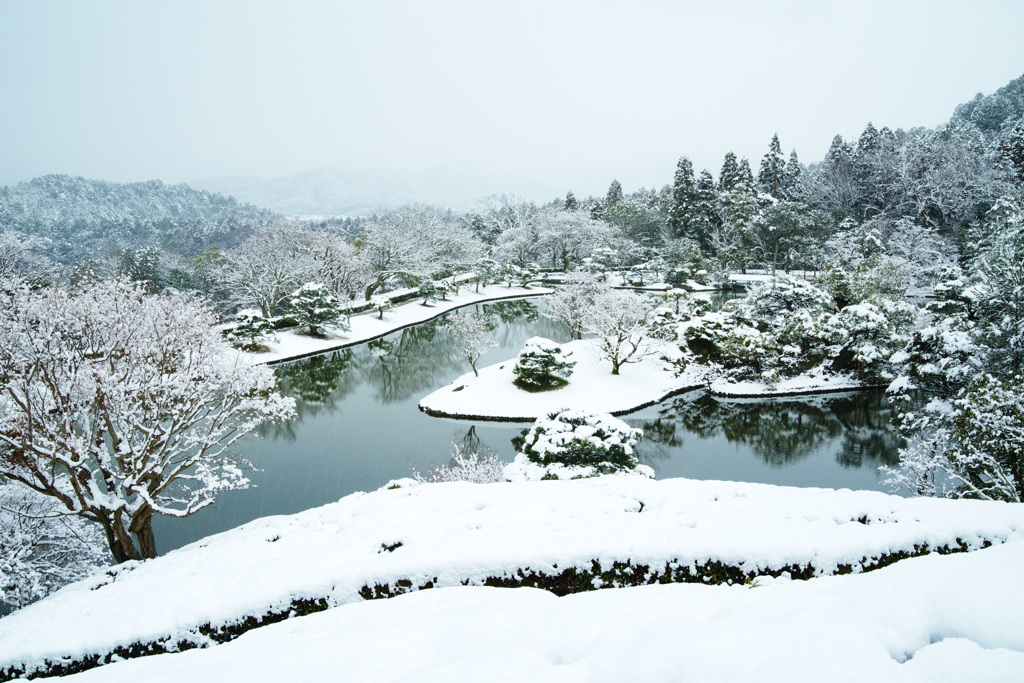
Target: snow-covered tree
(567, 237)
(312, 306)
(572, 302)
(971, 447)
(42, 545)
(266, 268)
(412, 244)
(574, 444)
(542, 365)
(619, 320)
(775, 300)
(121, 406)
(471, 333)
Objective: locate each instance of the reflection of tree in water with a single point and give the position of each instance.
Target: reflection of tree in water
(521, 320)
(871, 438)
(661, 435)
(514, 311)
(409, 365)
(316, 383)
(784, 430)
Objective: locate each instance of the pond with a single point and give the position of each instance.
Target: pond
(358, 426)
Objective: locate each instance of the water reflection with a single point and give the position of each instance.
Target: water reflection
(782, 431)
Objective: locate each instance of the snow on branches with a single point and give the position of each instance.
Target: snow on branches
(121, 405)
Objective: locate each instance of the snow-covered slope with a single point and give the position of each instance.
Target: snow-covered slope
(565, 535)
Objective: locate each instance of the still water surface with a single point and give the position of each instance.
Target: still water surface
(358, 426)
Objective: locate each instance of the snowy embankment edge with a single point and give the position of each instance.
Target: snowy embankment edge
(403, 317)
(565, 537)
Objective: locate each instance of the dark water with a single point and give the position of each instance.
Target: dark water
(358, 426)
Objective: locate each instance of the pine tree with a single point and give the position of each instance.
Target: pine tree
(1011, 151)
(313, 307)
(789, 183)
(773, 169)
(684, 198)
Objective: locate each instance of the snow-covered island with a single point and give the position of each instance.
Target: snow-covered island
(731, 602)
(493, 396)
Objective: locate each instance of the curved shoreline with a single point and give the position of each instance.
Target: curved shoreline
(403, 317)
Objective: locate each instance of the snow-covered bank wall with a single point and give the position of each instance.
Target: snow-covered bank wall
(584, 534)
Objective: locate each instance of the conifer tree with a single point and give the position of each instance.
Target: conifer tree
(571, 203)
(773, 168)
(684, 199)
(614, 195)
(730, 175)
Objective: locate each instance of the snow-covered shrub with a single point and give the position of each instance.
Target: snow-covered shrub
(250, 330)
(312, 306)
(542, 365)
(778, 298)
(663, 324)
(574, 444)
(473, 466)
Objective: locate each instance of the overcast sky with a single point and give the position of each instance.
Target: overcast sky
(575, 93)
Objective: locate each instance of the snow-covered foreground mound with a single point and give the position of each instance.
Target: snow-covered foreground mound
(568, 536)
(592, 387)
(934, 618)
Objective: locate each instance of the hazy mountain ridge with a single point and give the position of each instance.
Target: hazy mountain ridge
(82, 217)
(329, 191)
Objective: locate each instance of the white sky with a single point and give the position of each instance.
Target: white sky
(570, 92)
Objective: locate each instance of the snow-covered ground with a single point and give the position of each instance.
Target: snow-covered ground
(450, 534)
(369, 326)
(932, 618)
(592, 387)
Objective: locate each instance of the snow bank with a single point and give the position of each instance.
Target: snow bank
(567, 535)
(926, 619)
(592, 387)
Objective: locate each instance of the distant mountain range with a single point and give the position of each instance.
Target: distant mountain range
(333, 192)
